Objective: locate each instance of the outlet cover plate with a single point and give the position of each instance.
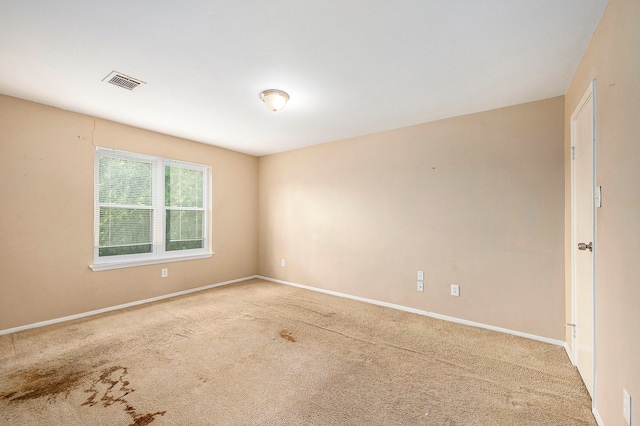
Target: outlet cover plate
(455, 290)
(420, 286)
(165, 272)
(420, 275)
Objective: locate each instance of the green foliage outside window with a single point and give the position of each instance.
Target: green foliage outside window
(126, 212)
(184, 208)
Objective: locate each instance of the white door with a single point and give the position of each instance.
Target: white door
(583, 166)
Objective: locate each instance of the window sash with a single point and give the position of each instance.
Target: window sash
(124, 230)
(189, 223)
(160, 245)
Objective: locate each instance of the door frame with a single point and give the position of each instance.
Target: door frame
(589, 93)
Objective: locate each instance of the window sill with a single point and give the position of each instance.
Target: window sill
(129, 264)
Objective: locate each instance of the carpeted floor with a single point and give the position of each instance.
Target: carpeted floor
(258, 353)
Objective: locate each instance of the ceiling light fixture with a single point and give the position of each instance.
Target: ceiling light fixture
(274, 99)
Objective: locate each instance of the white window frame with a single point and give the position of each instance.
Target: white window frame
(158, 254)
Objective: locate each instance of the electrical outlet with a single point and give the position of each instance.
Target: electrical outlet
(420, 275)
(165, 272)
(455, 290)
(626, 406)
(420, 286)
(282, 262)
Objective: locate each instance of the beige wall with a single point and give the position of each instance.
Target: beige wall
(475, 200)
(46, 219)
(613, 60)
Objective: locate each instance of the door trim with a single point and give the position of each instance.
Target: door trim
(589, 93)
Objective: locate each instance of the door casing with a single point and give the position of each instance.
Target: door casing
(590, 95)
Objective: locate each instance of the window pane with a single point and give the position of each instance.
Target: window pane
(184, 229)
(184, 245)
(119, 251)
(125, 231)
(183, 187)
(123, 181)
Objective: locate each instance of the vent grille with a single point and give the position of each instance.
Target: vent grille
(122, 80)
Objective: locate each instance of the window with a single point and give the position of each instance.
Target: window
(148, 210)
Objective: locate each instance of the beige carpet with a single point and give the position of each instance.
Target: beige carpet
(258, 353)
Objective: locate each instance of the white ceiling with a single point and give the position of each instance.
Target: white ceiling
(351, 67)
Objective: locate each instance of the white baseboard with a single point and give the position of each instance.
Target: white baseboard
(597, 417)
(420, 312)
(334, 293)
(123, 306)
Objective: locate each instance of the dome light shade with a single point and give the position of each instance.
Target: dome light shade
(274, 99)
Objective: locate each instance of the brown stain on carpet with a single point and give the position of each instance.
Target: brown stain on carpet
(287, 335)
(109, 388)
(145, 419)
(48, 383)
(112, 387)
(107, 381)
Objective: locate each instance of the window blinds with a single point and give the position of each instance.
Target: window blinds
(124, 188)
(184, 207)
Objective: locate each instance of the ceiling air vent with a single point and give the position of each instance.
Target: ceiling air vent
(122, 80)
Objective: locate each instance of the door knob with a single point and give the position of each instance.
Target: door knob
(585, 246)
